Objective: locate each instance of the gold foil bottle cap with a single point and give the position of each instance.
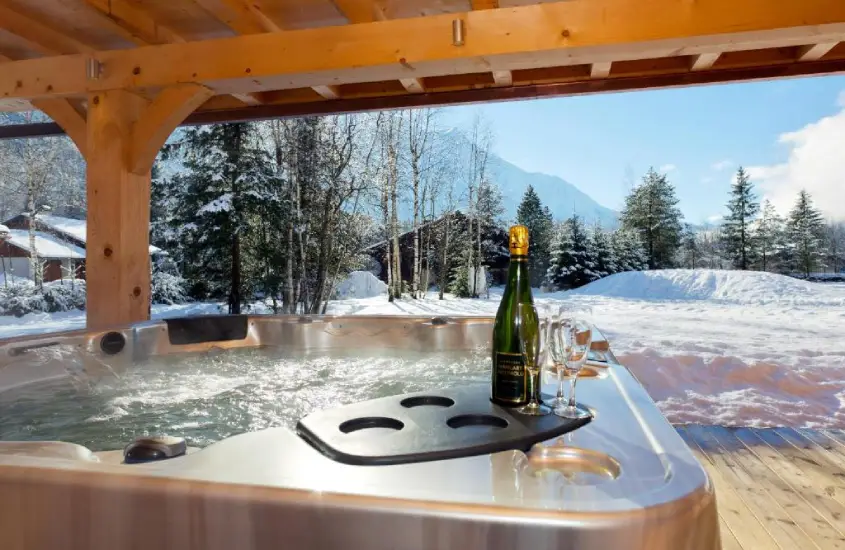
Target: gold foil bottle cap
(519, 240)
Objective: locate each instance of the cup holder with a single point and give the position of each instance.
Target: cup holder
(427, 401)
(485, 420)
(577, 466)
(369, 423)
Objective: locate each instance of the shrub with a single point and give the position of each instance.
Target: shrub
(168, 288)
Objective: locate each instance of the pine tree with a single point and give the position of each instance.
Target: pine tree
(691, 253)
(628, 250)
(228, 175)
(769, 234)
(538, 220)
(602, 252)
(651, 210)
(805, 234)
(571, 265)
(737, 228)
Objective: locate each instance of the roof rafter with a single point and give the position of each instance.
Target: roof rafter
(360, 11)
(241, 17)
(704, 61)
(815, 52)
(44, 39)
(135, 21)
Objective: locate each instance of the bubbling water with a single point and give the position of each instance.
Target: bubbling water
(207, 397)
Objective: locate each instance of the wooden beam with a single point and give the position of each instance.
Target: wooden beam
(44, 39)
(360, 11)
(136, 21)
(69, 116)
(503, 78)
(413, 85)
(704, 61)
(815, 51)
(328, 92)
(557, 34)
(600, 70)
(484, 4)
(243, 17)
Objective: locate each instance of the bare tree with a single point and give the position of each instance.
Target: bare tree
(420, 134)
(480, 140)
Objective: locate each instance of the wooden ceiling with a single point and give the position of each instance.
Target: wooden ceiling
(268, 58)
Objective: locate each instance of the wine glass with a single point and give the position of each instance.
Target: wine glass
(556, 347)
(578, 338)
(531, 345)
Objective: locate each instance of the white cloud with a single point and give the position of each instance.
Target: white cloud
(722, 165)
(667, 168)
(816, 162)
(715, 218)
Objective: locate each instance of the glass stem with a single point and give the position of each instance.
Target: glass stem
(572, 381)
(531, 388)
(560, 379)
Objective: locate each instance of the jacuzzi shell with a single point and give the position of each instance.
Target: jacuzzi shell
(269, 489)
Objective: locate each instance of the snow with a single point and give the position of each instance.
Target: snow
(75, 229)
(712, 347)
(47, 246)
(361, 284)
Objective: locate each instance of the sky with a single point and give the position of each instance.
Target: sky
(788, 134)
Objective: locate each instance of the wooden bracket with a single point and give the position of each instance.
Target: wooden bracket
(158, 121)
(67, 115)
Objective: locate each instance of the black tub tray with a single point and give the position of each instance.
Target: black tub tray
(425, 426)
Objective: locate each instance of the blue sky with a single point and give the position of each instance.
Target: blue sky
(699, 135)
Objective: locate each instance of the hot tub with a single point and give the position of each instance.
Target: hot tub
(625, 480)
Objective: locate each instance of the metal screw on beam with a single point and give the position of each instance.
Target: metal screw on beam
(93, 69)
(458, 32)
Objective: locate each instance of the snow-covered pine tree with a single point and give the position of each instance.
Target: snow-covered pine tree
(570, 265)
(602, 252)
(228, 174)
(835, 244)
(769, 234)
(805, 234)
(651, 209)
(737, 229)
(538, 220)
(628, 250)
(690, 252)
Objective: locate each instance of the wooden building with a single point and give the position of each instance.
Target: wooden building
(119, 75)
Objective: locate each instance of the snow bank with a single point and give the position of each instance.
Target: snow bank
(360, 284)
(738, 287)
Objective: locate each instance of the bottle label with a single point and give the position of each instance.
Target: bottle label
(510, 378)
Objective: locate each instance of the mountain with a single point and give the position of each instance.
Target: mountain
(562, 198)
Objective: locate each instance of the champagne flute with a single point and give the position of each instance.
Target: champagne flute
(531, 345)
(556, 347)
(579, 336)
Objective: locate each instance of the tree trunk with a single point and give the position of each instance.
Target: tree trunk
(415, 278)
(235, 291)
(444, 265)
(34, 263)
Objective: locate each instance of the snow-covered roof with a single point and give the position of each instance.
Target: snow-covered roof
(47, 246)
(73, 228)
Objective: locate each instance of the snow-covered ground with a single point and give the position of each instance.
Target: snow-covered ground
(723, 347)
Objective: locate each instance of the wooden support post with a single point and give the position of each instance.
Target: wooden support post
(124, 133)
(117, 249)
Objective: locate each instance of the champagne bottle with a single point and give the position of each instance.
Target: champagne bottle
(510, 386)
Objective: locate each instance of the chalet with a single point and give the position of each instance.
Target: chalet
(495, 249)
(59, 243)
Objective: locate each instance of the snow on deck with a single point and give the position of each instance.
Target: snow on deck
(711, 347)
(47, 246)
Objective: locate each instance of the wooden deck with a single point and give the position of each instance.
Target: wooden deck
(775, 488)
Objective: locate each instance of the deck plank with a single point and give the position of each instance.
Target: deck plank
(796, 505)
(777, 522)
(729, 541)
(811, 485)
(741, 521)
